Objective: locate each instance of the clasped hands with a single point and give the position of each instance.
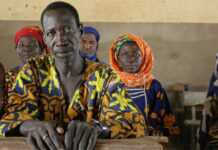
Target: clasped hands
(48, 135)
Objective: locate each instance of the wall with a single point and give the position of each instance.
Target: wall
(183, 34)
(163, 11)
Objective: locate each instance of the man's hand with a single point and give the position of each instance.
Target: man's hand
(41, 135)
(80, 136)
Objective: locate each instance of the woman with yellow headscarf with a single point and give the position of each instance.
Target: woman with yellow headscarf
(131, 58)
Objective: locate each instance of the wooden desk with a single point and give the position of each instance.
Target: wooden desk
(146, 143)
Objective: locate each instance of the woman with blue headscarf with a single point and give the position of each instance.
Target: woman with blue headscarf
(90, 39)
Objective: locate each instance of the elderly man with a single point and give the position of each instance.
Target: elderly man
(90, 40)
(62, 94)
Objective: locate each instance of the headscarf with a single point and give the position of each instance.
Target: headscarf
(89, 29)
(144, 75)
(92, 57)
(92, 30)
(34, 31)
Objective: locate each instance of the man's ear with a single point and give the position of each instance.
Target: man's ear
(44, 37)
(81, 28)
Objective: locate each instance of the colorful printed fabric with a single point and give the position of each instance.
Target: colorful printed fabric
(10, 77)
(92, 57)
(144, 74)
(38, 94)
(154, 104)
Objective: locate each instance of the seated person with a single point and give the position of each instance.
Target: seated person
(2, 87)
(213, 84)
(28, 43)
(90, 40)
(63, 94)
(131, 58)
(209, 123)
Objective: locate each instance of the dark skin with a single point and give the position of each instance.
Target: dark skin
(129, 57)
(89, 43)
(130, 60)
(28, 47)
(62, 36)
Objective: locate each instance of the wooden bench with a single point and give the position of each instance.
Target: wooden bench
(194, 100)
(146, 143)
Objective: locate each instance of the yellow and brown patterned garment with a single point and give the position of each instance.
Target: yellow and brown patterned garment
(10, 77)
(38, 94)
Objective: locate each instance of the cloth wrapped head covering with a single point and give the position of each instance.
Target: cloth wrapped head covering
(89, 29)
(34, 31)
(144, 75)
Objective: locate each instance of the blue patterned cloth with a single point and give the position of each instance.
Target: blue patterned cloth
(155, 106)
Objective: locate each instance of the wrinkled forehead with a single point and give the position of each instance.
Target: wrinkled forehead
(56, 18)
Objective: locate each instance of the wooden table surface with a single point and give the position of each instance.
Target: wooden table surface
(146, 143)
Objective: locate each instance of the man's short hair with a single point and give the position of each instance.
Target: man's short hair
(61, 5)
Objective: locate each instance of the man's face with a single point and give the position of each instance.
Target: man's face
(61, 34)
(28, 47)
(89, 43)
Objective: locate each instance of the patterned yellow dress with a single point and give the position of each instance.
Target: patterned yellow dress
(10, 77)
(38, 94)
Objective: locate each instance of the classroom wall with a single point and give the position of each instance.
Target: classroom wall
(163, 11)
(182, 34)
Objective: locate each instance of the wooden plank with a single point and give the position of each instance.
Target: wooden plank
(192, 122)
(147, 143)
(192, 98)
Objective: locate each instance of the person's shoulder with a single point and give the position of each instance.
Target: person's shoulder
(39, 62)
(41, 59)
(11, 74)
(102, 71)
(156, 84)
(13, 70)
(92, 66)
